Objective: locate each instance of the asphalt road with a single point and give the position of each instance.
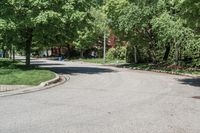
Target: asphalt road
(101, 99)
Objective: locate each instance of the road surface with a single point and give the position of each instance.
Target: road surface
(100, 99)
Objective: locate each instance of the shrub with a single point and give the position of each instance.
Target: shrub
(130, 54)
(117, 53)
(111, 54)
(196, 63)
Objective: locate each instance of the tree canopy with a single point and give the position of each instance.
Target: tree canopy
(37, 22)
(155, 27)
(155, 30)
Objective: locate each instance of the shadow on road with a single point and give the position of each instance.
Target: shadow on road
(62, 69)
(46, 64)
(191, 81)
(80, 70)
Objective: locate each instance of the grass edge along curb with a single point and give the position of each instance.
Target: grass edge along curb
(35, 88)
(18, 87)
(46, 83)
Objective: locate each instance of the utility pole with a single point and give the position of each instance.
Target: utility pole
(104, 49)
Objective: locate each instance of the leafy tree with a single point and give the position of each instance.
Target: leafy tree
(86, 40)
(52, 21)
(7, 35)
(190, 10)
(154, 28)
(136, 30)
(172, 32)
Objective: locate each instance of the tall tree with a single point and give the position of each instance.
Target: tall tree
(58, 20)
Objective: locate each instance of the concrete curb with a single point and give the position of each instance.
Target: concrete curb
(156, 71)
(7, 88)
(166, 72)
(138, 69)
(43, 86)
(46, 83)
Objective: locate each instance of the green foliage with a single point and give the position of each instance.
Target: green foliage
(156, 29)
(113, 10)
(111, 54)
(162, 69)
(90, 36)
(130, 54)
(99, 22)
(85, 40)
(116, 53)
(190, 9)
(172, 30)
(45, 22)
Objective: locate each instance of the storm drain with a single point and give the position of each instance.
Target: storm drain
(196, 97)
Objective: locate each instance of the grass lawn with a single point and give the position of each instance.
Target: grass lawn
(100, 61)
(16, 73)
(167, 69)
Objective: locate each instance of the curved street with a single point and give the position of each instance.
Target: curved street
(103, 99)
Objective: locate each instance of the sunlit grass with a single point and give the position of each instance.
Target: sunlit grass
(16, 73)
(100, 61)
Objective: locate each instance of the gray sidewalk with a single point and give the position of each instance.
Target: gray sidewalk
(4, 88)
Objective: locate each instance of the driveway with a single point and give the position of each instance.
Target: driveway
(99, 99)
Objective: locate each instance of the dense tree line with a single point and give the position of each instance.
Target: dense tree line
(157, 31)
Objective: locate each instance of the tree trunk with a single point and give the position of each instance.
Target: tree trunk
(180, 54)
(28, 52)
(59, 50)
(28, 46)
(10, 53)
(82, 54)
(47, 51)
(68, 54)
(176, 54)
(135, 55)
(151, 53)
(167, 51)
(13, 53)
